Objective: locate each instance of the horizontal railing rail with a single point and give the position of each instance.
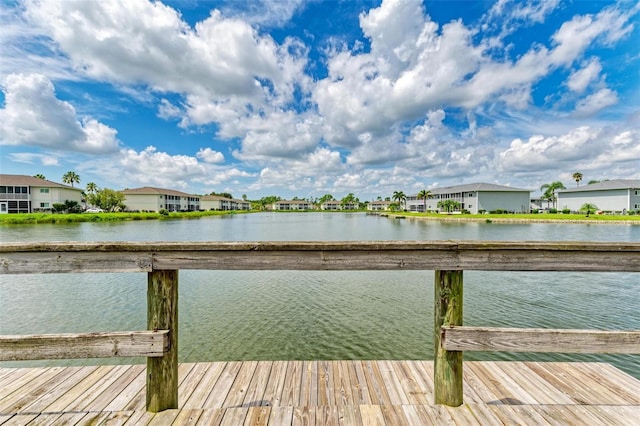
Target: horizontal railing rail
(162, 260)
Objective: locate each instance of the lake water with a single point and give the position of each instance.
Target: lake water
(254, 315)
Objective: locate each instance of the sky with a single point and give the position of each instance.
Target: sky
(300, 98)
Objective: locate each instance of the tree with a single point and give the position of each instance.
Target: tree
(71, 178)
(92, 187)
(588, 208)
(424, 194)
(72, 206)
(325, 198)
(448, 205)
(107, 199)
(591, 182)
(350, 199)
(399, 197)
(550, 189)
(244, 197)
(39, 176)
(577, 176)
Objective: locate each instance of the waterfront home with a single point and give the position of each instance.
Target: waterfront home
(331, 205)
(153, 199)
(617, 195)
(292, 205)
(378, 205)
(475, 198)
(27, 194)
(216, 202)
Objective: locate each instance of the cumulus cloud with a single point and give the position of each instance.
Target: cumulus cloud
(34, 116)
(210, 156)
(34, 158)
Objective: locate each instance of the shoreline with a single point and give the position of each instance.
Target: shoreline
(512, 220)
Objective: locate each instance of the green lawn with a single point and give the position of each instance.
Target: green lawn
(35, 218)
(533, 216)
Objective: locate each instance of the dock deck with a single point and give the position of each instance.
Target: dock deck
(324, 393)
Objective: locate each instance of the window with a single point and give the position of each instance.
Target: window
(44, 205)
(44, 190)
(471, 194)
(636, 206)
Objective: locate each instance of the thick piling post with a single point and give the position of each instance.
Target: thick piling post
(447, 364)
(162, 314)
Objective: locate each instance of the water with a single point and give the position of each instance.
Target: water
(242, 315)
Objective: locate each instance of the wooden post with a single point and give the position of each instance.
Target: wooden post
(447, 364)
(162, 314)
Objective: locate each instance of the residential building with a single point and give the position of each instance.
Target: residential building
(292, 205)
(330, 205)
(155, 199)
(617, 195)
(476, 198)
(27, 194)
(378, 205)
(216, 202)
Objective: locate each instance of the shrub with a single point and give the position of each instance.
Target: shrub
(553, 210)
(164, 212)
(566, 211)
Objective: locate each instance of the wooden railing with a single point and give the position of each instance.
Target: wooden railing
(163, 260)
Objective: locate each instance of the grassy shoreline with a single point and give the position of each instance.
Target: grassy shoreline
(42, 218)
(522, 218)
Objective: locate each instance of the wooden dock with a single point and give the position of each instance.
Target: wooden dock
(324, 393)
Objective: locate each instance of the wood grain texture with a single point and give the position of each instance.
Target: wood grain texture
(57, 257)
(540, 340)
(84, 345)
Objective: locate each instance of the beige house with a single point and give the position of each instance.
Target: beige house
(155, 199)
(292, 205)
(378, 205)
(27, 194)
(216, 202)
(331, 205)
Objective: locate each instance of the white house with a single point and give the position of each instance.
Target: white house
(378, 205)
(330, 205)
(475, 197)
(153, 199)
(617, 195)
(216, 202)
(292, 205)
(27, 194)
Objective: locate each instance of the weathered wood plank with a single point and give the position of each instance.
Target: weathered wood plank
(540, 340)
(447, 312)
(84, 345)
(162, 314)
(56, 257)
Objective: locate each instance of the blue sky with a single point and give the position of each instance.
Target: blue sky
(304, 98)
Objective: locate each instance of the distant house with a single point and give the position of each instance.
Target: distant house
(330, 205)
(475, 197)
(216, 202)
(615, 195)
(292, 205)
(155, 199)
(378, 205)
(27, 194)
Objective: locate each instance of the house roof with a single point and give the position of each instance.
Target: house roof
(606, 185)
(292, 202)
(478, 187)
(24, 180)
(150, 190)
(215, 198)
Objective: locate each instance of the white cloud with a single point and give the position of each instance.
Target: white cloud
(595, 102)
(580, 79)
(33, 116)
(34, 158)
(210, 156)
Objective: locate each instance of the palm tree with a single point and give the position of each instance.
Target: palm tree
(399, 197)
(71, 178)
(577, 176)
(588, 207)
(448, 205)
(92, 187)
(39, 176)
(549, 190)
(424, 194)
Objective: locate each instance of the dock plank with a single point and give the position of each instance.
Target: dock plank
(281, 393)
